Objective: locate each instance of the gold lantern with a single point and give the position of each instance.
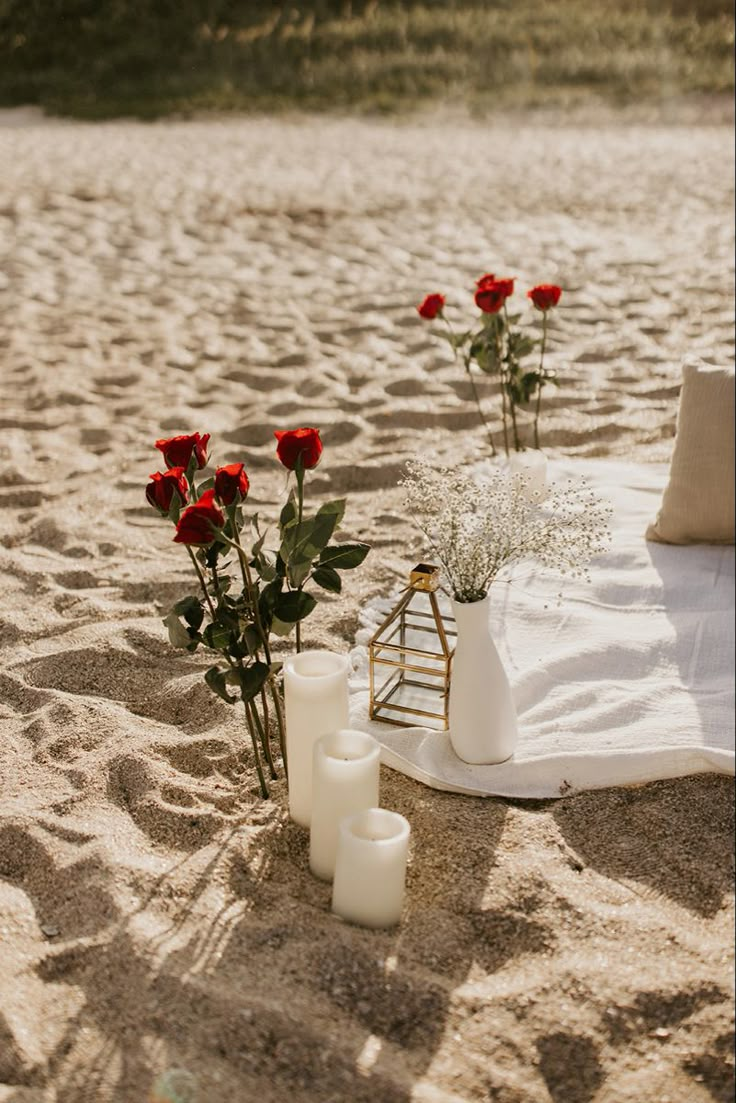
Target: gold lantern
(410, 656)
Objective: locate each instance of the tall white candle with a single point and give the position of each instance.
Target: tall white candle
(531, 466)
(316, 702)
(345, 775)
(370, 869)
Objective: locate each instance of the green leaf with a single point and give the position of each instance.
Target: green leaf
(251, 639)
(289, 512)
(328, 579)
(524, 346)
(343, 557)
(179, 636)
(266, 565)
(228, 617)
(298, 572)
(280, 627)
(221, 586)
(175, 508)
(192, 466)
(217, 636)
(260, 537)
(304, 541)
(530, 381)
(455, 340)
(191, 609)
(215, 679)
(206, 484)
(251, 679)
(293, 606)
(212, 554)
(336, 508)
(270, 595)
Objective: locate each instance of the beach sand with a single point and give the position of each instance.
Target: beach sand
(240, 276)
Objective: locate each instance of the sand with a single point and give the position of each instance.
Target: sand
(237, 276)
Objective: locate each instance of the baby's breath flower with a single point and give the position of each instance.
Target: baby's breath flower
(479, 525)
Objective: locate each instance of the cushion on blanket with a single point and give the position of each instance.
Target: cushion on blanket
(698, 501)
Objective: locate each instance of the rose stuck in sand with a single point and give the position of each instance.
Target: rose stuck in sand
(498, 349)
(236, 615)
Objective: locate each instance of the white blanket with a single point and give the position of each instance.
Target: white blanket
(629, 679)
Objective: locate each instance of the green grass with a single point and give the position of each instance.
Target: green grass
(155, 57)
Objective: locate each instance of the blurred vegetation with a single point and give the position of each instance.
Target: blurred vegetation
(102, 58)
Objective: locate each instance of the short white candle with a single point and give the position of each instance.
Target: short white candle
(532, 467)
(345, 773)
(316, 702)
(370, 868)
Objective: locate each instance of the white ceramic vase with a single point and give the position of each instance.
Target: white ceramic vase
(482, 713)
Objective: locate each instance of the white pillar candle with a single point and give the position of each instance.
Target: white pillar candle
(532, 467)
(316, 702)
(345, 771)
(370, 868)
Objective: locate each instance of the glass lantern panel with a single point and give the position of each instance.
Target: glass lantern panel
(406, 696)
(414, 627)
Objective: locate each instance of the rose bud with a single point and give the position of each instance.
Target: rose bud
(164, 485)
(196, 522)
(491, 296)
(231, 483)
(431, 306)
(294, 443)
(545, 295)
(177, 451)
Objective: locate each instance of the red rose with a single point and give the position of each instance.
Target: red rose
(431, 306)
(164, 485)
(484, 280)
(195, 523)
(177, 451)
(545, 295)
(231, 483)
(298, 442)
(492, 293)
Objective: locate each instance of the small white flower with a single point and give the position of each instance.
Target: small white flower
(479, 525)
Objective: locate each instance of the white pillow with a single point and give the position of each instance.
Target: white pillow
(698, 502)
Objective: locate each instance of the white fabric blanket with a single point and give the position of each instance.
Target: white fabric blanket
(629, 679)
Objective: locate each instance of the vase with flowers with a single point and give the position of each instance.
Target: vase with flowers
(478, 527)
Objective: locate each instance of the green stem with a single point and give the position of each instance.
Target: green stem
(256, 752)
(248, 582)
(507, 396)
(480, 409)
(281, 727)
(541, 380)
(517, 442)
(299, 470)
(241, 553)
(476, 396)
(263, 736)
(267, 729)
(202, 582)
(504, 410)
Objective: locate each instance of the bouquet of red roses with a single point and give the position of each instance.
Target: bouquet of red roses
(247, 592)
(499, 349)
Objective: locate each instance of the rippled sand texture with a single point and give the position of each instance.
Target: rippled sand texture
(240, 276)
